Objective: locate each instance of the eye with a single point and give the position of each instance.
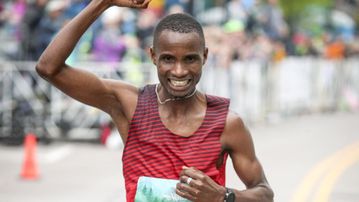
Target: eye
(167, 58)
(191, 59)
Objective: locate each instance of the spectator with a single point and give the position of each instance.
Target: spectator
(21, 20)
(145, 25)
(76, 7)
(50, 23)
(9, 29)
(271, 20)
(335, 49)
(178, 4)
(237, 11)
(175, 8)
(29, 25)
(12, 13)
(1, 14)
(109, 44)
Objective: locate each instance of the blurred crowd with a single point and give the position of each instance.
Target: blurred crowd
(235, 30)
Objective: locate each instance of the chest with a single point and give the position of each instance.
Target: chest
(185, 124)
(184, 127)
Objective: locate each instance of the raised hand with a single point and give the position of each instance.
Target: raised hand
(198, 187)
(130, 3)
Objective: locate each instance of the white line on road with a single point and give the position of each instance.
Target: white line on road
(57, 154)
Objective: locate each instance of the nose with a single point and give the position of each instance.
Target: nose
(179, 70)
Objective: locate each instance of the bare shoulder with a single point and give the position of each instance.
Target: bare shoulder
(124, 97)
(234, 125)
(235, 135)
(121, 88)
(234, 121)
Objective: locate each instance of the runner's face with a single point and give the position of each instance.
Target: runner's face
(179, 58)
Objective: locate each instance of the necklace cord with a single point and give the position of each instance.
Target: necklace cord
(172, 99)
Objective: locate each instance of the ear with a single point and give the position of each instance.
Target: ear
(205, 55)
(153, 55)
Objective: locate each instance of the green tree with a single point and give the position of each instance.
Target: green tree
(310, 16)
(293, 9)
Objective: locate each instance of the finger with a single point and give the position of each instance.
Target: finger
(146, 3)
(184, 168)
(193, 173)
(140, 3)
(195, 187)
(186, 191)
(187, 180)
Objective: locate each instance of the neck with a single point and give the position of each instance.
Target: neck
(183, 107)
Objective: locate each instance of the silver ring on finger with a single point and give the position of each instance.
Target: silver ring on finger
(188, 181)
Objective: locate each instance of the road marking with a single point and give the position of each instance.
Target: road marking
(340, 166)
(306, 187)
(307, 184)
(57, 154)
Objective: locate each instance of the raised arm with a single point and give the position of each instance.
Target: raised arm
(237, 139)
(79, 84)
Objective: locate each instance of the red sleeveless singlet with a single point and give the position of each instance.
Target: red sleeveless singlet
(154, 151)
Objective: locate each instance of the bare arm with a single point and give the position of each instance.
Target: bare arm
(79, 84)
(239, 142)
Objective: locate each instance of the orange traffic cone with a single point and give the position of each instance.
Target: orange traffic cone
(29, 168)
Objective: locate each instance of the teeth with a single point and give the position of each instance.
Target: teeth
(179, 83)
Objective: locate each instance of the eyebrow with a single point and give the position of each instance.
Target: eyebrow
(192, 55)
(166, 54)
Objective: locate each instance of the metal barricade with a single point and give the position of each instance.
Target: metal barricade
(30, 104)
(258, 91)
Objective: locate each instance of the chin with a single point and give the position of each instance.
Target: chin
(183, 94)
(177, 94)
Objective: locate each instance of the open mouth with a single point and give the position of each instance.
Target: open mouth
(180, 87)
(179, 83)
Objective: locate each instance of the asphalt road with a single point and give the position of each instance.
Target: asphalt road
(308, 158)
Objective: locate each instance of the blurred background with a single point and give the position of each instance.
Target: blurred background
(291, 69)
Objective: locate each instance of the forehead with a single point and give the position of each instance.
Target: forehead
(168, 39)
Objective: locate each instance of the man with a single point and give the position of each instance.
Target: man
(35, 11)
(170, 130)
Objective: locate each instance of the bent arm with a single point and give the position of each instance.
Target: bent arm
(238, 141)
(52, 60)
(79, 84)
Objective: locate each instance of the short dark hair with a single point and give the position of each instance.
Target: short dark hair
(181, 23)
